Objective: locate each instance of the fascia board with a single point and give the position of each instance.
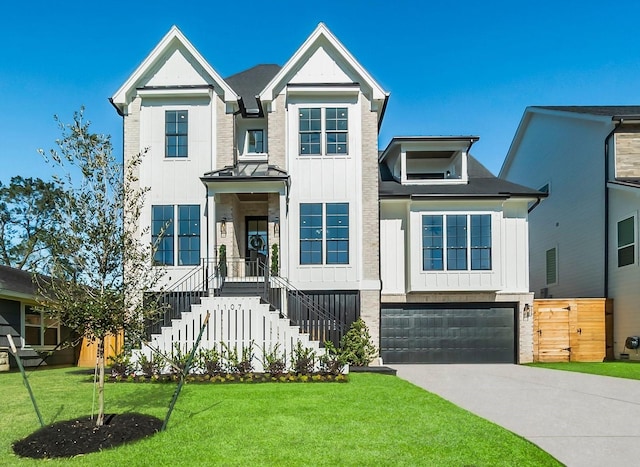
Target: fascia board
(120, 97)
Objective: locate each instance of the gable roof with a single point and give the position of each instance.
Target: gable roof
(321, 33)
(248, 83)
(482, 184)
(173, 38)
(16, 282)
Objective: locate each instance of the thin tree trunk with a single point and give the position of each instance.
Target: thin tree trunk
(100, 420)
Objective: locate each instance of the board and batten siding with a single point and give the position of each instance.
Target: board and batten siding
(624, 202)
(567, 153)
(393, 233)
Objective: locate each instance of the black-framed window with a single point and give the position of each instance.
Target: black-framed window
(452, 242)
(162, 227)
(337, 216)
(626, 242)
(40, 330)
(315, 239)
(176, 133)
(323, 131)
(311, 233)
(188, 235)
(432, 243)
(255, 141)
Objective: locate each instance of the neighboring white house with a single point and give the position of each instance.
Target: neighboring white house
(288, 156)
(584, 236)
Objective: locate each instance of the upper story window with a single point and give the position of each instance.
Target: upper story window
(626, 242)
(176, 133)
(455, 241)
(39, 330)
(187, 243)
(323, 131)
(255, 141)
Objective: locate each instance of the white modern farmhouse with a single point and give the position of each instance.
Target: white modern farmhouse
(268, 192)
(584, 236)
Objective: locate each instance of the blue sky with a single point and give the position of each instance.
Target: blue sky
(452, 67)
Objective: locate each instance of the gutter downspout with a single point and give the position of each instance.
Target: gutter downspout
(533, 206)
(606, 206)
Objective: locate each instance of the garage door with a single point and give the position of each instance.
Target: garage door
(448, 333)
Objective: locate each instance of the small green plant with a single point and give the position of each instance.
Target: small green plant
(333, 361)
(149, 366)
(274, 259)
(302, 360)
(222, 260)
(274, 361)
(210, 361)
(356, 345)
(178, 359)
(121, 364)
(238, 363)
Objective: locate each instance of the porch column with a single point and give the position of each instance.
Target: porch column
(284, 234)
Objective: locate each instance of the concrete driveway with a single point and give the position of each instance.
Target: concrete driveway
(580, 419)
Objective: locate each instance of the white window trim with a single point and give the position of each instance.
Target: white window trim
(23, 319)
(323, 130)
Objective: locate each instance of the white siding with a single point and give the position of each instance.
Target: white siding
(624, 281)
(568, 154)
(393, 234)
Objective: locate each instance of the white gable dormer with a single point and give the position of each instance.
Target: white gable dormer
(425, 160)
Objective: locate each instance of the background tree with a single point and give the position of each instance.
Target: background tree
(103, 266)
(28, 222)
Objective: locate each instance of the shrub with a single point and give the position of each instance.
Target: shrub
(302, 360)
(274, 361)
(238, 363)
(210, 361)
(121, 364)
(149, 367)
(356, 345)
(333, 361)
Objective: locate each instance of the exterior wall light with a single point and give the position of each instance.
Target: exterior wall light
(223, 227)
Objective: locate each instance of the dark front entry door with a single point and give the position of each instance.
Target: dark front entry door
(257, 242)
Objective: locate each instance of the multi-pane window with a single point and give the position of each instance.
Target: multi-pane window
(314, 239)
(310, 130)
(311, 233)
(480, 242)
(337, 233)
(162, 234)
(626, 242)
(188, 235)
(255, 141)
(176, 133)
(551, 266)
(39, 330)
(432, 243)
(446, 241)
(323, 131)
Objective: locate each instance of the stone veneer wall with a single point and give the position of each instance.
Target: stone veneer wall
(627, 152)
(276, 133)
(225, 144)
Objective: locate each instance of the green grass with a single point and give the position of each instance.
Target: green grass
(372, 420)
(618, 369)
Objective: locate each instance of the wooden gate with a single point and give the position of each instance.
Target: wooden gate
(572, 330)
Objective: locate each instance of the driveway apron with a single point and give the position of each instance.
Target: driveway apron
(580, 419)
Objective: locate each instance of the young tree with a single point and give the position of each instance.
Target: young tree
(100, 272)
(28, 222)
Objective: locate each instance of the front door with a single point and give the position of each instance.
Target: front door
(257, 243)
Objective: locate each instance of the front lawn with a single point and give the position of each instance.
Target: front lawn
(372, 420)
(618, 369)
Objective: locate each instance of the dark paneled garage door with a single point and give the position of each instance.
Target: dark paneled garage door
(448, 333)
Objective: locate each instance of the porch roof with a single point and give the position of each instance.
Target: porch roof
(250, 171)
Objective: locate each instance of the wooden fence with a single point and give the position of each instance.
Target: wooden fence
(572, 330)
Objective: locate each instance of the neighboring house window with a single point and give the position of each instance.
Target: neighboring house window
(255, 141)
(551, 261)
(432, 243)
(189, 235)
(314, 239)
(39, 330)
(323, 131)
(626, 242)
(176, 133)
(337, 233)
(311, 233)
(462, 231)
(162, 234)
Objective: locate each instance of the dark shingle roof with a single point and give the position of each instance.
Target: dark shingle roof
(15, 281)
(249, 83)
(601, 110)
(247, 170)
(482, 184)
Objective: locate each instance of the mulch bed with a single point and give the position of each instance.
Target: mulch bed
(82, 436)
